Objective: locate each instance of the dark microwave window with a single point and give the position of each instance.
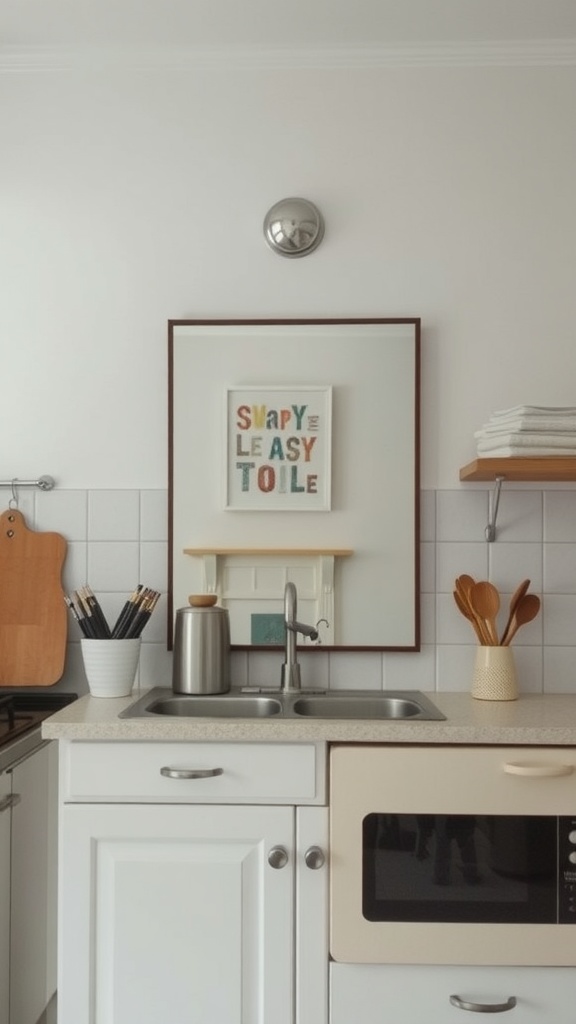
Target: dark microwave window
(459, 868)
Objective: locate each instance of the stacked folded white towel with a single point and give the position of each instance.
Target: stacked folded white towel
(528, 430)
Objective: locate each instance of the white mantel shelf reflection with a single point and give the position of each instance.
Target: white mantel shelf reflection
(250, 581)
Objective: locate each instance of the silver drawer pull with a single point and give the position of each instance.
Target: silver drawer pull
(9, 801)
(191, 773)
(462, 1004)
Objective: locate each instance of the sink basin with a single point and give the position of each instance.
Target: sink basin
(224, 706)
(360, 707)
(392, 705)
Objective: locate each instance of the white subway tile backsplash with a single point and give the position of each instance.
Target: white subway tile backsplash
(264, 668)
(153, 515)
(453, 559)
(411, 671)
(559, 616)
(454, 667)
(520, 516)
(117, 539)
(155, 666)
(451, 626)
(63, 512)
(560, 516)
(75, 571)
(239, 668)
(461, 515)
(560, 568)
(113, 515)
(356, 671)
(512, 563)
(154, 565)
(113, 565)
(559, 669)
(528, 662)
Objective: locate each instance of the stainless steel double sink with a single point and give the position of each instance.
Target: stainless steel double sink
(341, 704)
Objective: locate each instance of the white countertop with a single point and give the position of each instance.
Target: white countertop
(534, 719)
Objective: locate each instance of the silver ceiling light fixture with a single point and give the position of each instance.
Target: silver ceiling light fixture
(293, 227)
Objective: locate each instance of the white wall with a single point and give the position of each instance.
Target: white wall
(131, 197)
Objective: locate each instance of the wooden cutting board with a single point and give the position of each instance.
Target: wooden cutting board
(33, 615)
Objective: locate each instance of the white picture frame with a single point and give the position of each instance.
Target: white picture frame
(278, 448)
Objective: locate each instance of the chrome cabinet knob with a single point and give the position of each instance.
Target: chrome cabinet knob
(278, 857)
(314, 858)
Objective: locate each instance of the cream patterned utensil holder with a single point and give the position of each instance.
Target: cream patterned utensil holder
(494, 674)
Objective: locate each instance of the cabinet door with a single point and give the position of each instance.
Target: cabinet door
(377, 994)
(312, 915)
(5, 815)
(34, 868)
(175, 915)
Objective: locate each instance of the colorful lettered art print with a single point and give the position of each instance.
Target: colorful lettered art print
(278, 448)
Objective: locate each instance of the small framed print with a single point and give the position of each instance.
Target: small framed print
(278, 448)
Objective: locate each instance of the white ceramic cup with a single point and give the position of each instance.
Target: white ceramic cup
(110, 666)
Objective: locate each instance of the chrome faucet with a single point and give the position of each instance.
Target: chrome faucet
(290, 679)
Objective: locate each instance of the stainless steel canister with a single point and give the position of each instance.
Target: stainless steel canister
(201, 662)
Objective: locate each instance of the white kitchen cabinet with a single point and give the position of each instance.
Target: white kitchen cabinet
(28, 873)
(5, 829)
(185, 904)
(33, 884)
(378, 994)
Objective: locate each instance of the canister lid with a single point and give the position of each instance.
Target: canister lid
(202, 600)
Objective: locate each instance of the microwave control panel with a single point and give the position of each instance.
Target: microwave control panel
(567, 870)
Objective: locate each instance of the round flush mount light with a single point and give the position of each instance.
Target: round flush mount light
(293, 227)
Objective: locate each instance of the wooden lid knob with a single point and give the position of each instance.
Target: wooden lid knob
(202, 600)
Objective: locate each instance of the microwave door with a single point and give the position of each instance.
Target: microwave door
(459, 868)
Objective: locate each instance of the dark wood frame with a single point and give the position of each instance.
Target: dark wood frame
(305, 321)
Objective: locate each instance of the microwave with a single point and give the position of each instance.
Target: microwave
(453, 855)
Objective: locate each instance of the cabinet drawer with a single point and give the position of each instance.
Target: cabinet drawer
(378, 994)
(174, 772)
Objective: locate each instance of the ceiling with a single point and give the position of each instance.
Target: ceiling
(281, 24)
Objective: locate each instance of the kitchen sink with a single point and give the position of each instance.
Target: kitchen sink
(225, 706)
(403, 705)
(365, 706)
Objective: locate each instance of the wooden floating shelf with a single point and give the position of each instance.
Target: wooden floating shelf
(546, 468)
(308, 552)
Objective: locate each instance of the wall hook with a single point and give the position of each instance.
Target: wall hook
(490, 531)
(13, 503)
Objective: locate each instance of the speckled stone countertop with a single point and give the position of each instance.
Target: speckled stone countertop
(534, 719)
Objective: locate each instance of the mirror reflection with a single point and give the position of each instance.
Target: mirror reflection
(294, 457)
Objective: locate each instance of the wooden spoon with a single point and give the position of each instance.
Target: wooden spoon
(516, 597)
(463, 588)
(485, 600)
(467, 612)
(526, 610)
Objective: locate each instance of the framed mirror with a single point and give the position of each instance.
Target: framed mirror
(294, 456)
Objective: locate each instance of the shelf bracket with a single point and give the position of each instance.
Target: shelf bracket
(490, 531)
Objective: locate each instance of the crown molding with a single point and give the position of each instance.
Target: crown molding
(511, 53)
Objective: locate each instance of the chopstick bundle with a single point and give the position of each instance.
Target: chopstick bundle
(135, 614)
(87, 612)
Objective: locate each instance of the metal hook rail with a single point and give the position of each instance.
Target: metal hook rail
(45, 483)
